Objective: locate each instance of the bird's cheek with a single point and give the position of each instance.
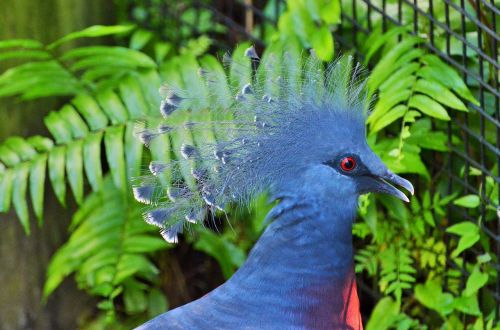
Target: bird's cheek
(366, 184)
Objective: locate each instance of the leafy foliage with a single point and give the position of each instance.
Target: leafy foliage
(177, 22)
(93, 141)
(414, 92)
(311, 21)
(411, 83)
(111, 88)
(108, 251)
(92, 147)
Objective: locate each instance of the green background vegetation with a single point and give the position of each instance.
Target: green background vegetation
(77, 77)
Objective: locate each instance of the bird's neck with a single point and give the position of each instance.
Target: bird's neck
(303, 264)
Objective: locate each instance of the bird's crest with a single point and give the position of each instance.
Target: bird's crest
(241, 133)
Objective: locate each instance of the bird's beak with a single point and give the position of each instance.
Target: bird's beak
(382, 184)
(389, 178)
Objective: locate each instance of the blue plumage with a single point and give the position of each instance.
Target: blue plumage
(295, 130)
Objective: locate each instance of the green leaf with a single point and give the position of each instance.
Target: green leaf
(468, 305)
(386, 102)
(476, 281)
(438, 71)
(37, 185)
(463, 228)
(297, 21)
(112, 106)
(220, 94)
(40, 143)
(8, 156)
(429, 218)
(422, 136)
(92, 160)
(484, 258)
(161, 50)
(74, 168)
(330, 12)
(105, 305)
(312, 8)
(93, 32)
(440, 93)
(113, 141)
(90, 111)
(377, 40)
(228, 255)
(240, 70)
(179, 137)
(143, 244)
(428, 106)
(157, 303)
(25, 54)
(131, 94)
(99, 260)
(73, 120)
(54, 87)
(322, 43)
(191, 79)
(58, 127)
(469, 235)
(135, 299)
(161, 150)
(140, 38)
(394, 114)
(150, 82)
(56, 173)
(21, 147)
(401, 79)
(95, 56)
(38, 79)
(385, 67)
(19, 195)
(384, 314)
(464, 243)
(6, 180)
(431, 296)
(21, 43)
(130, 264)
(468, 201)
(133, 154)
(409, 163)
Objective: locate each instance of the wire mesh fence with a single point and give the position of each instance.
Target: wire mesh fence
(463, 33)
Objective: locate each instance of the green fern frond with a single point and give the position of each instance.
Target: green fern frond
(103, 111)
(77, 130)
(108, 247)
(412, 86)
(397, 271)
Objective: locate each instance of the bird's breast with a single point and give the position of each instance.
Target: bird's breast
(333, 305)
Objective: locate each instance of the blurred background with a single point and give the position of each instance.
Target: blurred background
(76, 76)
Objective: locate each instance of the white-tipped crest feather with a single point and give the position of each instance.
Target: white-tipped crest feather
(259, 130)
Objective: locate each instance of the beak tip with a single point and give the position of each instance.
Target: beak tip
(403, 183)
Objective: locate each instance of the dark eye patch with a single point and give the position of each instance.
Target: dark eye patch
(348, 164)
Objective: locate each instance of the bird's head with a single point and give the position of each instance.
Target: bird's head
(323, 151)
(295, 128)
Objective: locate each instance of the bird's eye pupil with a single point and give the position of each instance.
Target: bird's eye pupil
(348, 164)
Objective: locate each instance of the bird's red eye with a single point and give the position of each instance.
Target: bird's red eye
(348, 164)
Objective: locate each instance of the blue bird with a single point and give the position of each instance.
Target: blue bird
(295, 130)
